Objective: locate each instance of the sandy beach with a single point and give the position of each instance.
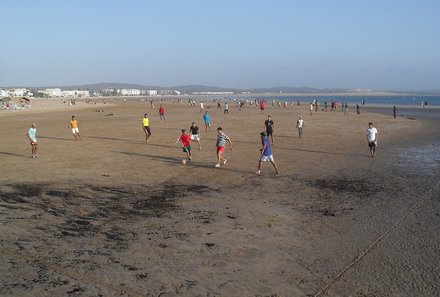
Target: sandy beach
(114, 216)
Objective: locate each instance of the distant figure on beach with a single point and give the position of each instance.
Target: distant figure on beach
(219, 107)
(207, 121)
(185, 140)
(32, 135)
(195, 134)
(262, 106)
(162, 113)
(266, 154)
(201, 106)
(152, 104)
(358, 110)
(226, 108)
(325, 106)
(311, 108)
(146, 127)
(73, 124)
(372, 139)
(394, 111)
(300, 126)
(345, 108)
(220, 145)
(269, 127)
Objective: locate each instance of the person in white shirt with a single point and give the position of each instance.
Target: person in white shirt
(300, 126)
(372, 139)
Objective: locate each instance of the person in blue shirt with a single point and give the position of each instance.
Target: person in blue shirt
(207, 120)
(32, 135)
(266, 154)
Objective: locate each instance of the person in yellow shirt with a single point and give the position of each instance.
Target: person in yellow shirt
(73, 124)
(146, 127)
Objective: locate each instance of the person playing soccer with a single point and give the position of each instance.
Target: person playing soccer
(146, 127)
(73, 124)
(266, 154)
(185, 139)
(220, 145)
(207, 120)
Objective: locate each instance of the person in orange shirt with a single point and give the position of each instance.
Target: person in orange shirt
(73, 124)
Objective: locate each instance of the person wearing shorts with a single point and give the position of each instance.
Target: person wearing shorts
(269, 125)
(220, 145)
(300, 126)
(207, 120)
(185, 139)
(262, 106)
(195, 134)
(146, 127)
(73, 124)
(372, 139)
(32, 135)
(162, 113)
(266, 154)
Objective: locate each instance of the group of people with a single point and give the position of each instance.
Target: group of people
(267, 138)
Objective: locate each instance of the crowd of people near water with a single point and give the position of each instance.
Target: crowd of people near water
(222, 139)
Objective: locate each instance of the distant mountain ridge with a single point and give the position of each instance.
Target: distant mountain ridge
(188, 89)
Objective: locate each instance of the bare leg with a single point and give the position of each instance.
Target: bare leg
(276, 167)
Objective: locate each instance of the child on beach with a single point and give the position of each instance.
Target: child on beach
(207, 120)
(73, 124)
(185, 139)
(220, 145)
(32, 135)
(266, 154)
(195, 134)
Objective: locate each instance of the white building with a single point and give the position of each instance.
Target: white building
(74, 93)
(130, 92)
(3, 93)
(52, 92)
(19, 92)
(152, 92)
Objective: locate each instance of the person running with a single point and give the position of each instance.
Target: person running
(185, 139)
(146, 127)
(300, 126)
(73, 124)
(195, 134)
(262, 106)
(207, 120)
(221, 142)
(372, 139)
(266, 154)
(269, 126)
(32, 135)
(162, 112)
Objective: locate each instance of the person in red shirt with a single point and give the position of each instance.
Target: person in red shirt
(185, 139)
(162, 112)
(262, 106)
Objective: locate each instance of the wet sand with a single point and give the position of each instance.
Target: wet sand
(114, 216)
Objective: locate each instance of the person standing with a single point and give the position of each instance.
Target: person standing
(201, 106)
(32, 135)
(262, 106)
(372, 139)
(146, 127)
(269, 127)
(73, 124)
(195, 134)
(185, 139)
(161, 112)
(300, 126)
(226, 111)
(394, 111)
(266, 154)
(358, 111)
(207, 121)
(220, 145)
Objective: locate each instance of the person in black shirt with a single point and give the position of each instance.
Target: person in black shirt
(195, 134)
(269, 125)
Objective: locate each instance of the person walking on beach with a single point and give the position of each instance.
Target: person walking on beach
(185, 139)
(269, 126)
(226, 111)
(73, 124)
(207, 121)
(300, 126)
(32, 135)
(372, 139)
(311, 107)
(195, 134)
(161, 112)
(394, 111)
(358, 111)
(266, 154)
(201, 106)
(345, 108)
(220, 145)
(262, 106)
(146, 127)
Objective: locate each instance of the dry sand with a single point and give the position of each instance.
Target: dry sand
(114, 216)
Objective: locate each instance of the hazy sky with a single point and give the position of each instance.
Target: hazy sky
(377, 44)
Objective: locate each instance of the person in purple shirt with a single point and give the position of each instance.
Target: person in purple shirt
(266, 154)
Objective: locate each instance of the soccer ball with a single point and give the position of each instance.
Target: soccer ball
(183, 161)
